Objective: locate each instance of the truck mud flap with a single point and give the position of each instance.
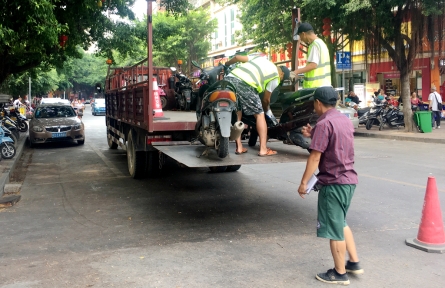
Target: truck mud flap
(190, 155)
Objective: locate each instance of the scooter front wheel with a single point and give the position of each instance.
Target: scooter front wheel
(369, 124)
(23, 126)
(253, 137)
(7, 150)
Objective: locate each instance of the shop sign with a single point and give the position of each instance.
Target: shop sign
(391, 75)
(220, 60)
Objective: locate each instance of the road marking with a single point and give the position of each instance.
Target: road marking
(107, 162)
(397, 182)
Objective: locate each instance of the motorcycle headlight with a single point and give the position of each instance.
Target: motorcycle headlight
(76, 127)
(372, 110)
(37, 129)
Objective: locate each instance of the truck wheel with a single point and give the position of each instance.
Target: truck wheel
(153, 164)
(253, 137)
(233, 168)
(222, 146)
(218, 169)
(111, 144)
(369, 124)
(135, 159)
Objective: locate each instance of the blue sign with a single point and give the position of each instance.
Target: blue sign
(343, 60)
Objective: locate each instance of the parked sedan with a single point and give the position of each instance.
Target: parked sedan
(55, 122)
(351, 113)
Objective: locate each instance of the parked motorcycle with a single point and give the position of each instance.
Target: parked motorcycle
(392, 117)
(216, 111)
(183, 90)
(375, 116)
(11, 125)
(18, 118)
(7, 148)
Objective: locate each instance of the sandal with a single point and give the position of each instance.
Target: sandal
(244, 151)
(269, 152)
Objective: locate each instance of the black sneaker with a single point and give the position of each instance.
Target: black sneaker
(354, 268)
(333, 277)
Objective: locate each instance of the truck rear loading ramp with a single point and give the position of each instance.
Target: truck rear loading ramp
(191, 155)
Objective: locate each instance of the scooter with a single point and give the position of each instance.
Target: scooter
(298, 111)
(216, 111)
(19, 119)
(7, 148)
(375, 116)
(392, 117)
(183, 90)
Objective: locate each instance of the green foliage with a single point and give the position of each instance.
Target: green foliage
(185, 37)
(30, 31)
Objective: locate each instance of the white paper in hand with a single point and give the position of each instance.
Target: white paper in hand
(311, 184)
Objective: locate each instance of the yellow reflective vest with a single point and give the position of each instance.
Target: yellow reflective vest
(257, 73)
(320, 76)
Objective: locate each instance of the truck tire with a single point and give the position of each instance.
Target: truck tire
(111, 144)
(135, 159)
(153, 169)
(223, 147)
(253, 137)
(218, 169)
(233, 168)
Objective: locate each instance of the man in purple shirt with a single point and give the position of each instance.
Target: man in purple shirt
(332, 152)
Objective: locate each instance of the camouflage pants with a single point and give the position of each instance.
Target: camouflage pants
(248, 98)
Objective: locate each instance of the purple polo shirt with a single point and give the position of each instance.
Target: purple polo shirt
(333, 136)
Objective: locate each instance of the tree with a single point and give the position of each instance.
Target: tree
(185, 37)
(270, 23)
(399, 28)
(30, 31)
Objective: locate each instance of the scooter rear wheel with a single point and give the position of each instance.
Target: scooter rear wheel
(222, 146)
(253, 137)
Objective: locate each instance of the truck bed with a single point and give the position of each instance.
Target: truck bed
(175, 120)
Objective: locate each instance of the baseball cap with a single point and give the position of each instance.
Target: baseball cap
(304, 27)
(286, 73)
(326, 95)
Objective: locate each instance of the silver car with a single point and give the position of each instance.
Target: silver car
(351, 113)
(55, 122)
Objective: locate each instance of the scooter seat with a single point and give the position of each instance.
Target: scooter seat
(290, 97)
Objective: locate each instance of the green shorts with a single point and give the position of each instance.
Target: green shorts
(333, 204)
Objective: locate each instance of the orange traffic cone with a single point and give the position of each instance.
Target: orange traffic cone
(431, 236)
(157, 107)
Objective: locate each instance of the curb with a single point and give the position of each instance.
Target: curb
(10, 166)
(401, 138)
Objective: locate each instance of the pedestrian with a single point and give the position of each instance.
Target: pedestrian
(353, 97)
(415, 101)
(17, 103)
(317, 71)
(332, 152)
(253, 76)
(435, 101)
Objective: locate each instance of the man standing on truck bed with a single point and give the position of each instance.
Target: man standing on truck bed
(255, 75)
(317, 71)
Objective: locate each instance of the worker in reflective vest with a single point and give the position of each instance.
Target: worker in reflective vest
(317, 71)
(255, 75)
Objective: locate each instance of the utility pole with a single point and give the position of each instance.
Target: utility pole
(29, 90)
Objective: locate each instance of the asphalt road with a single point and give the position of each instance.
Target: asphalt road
(82, 222)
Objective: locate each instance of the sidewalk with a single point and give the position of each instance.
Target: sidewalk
(436, 136)
(7, 165)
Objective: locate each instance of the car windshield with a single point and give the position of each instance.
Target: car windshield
(55, 112)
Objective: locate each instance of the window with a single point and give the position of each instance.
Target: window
(232, 26)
